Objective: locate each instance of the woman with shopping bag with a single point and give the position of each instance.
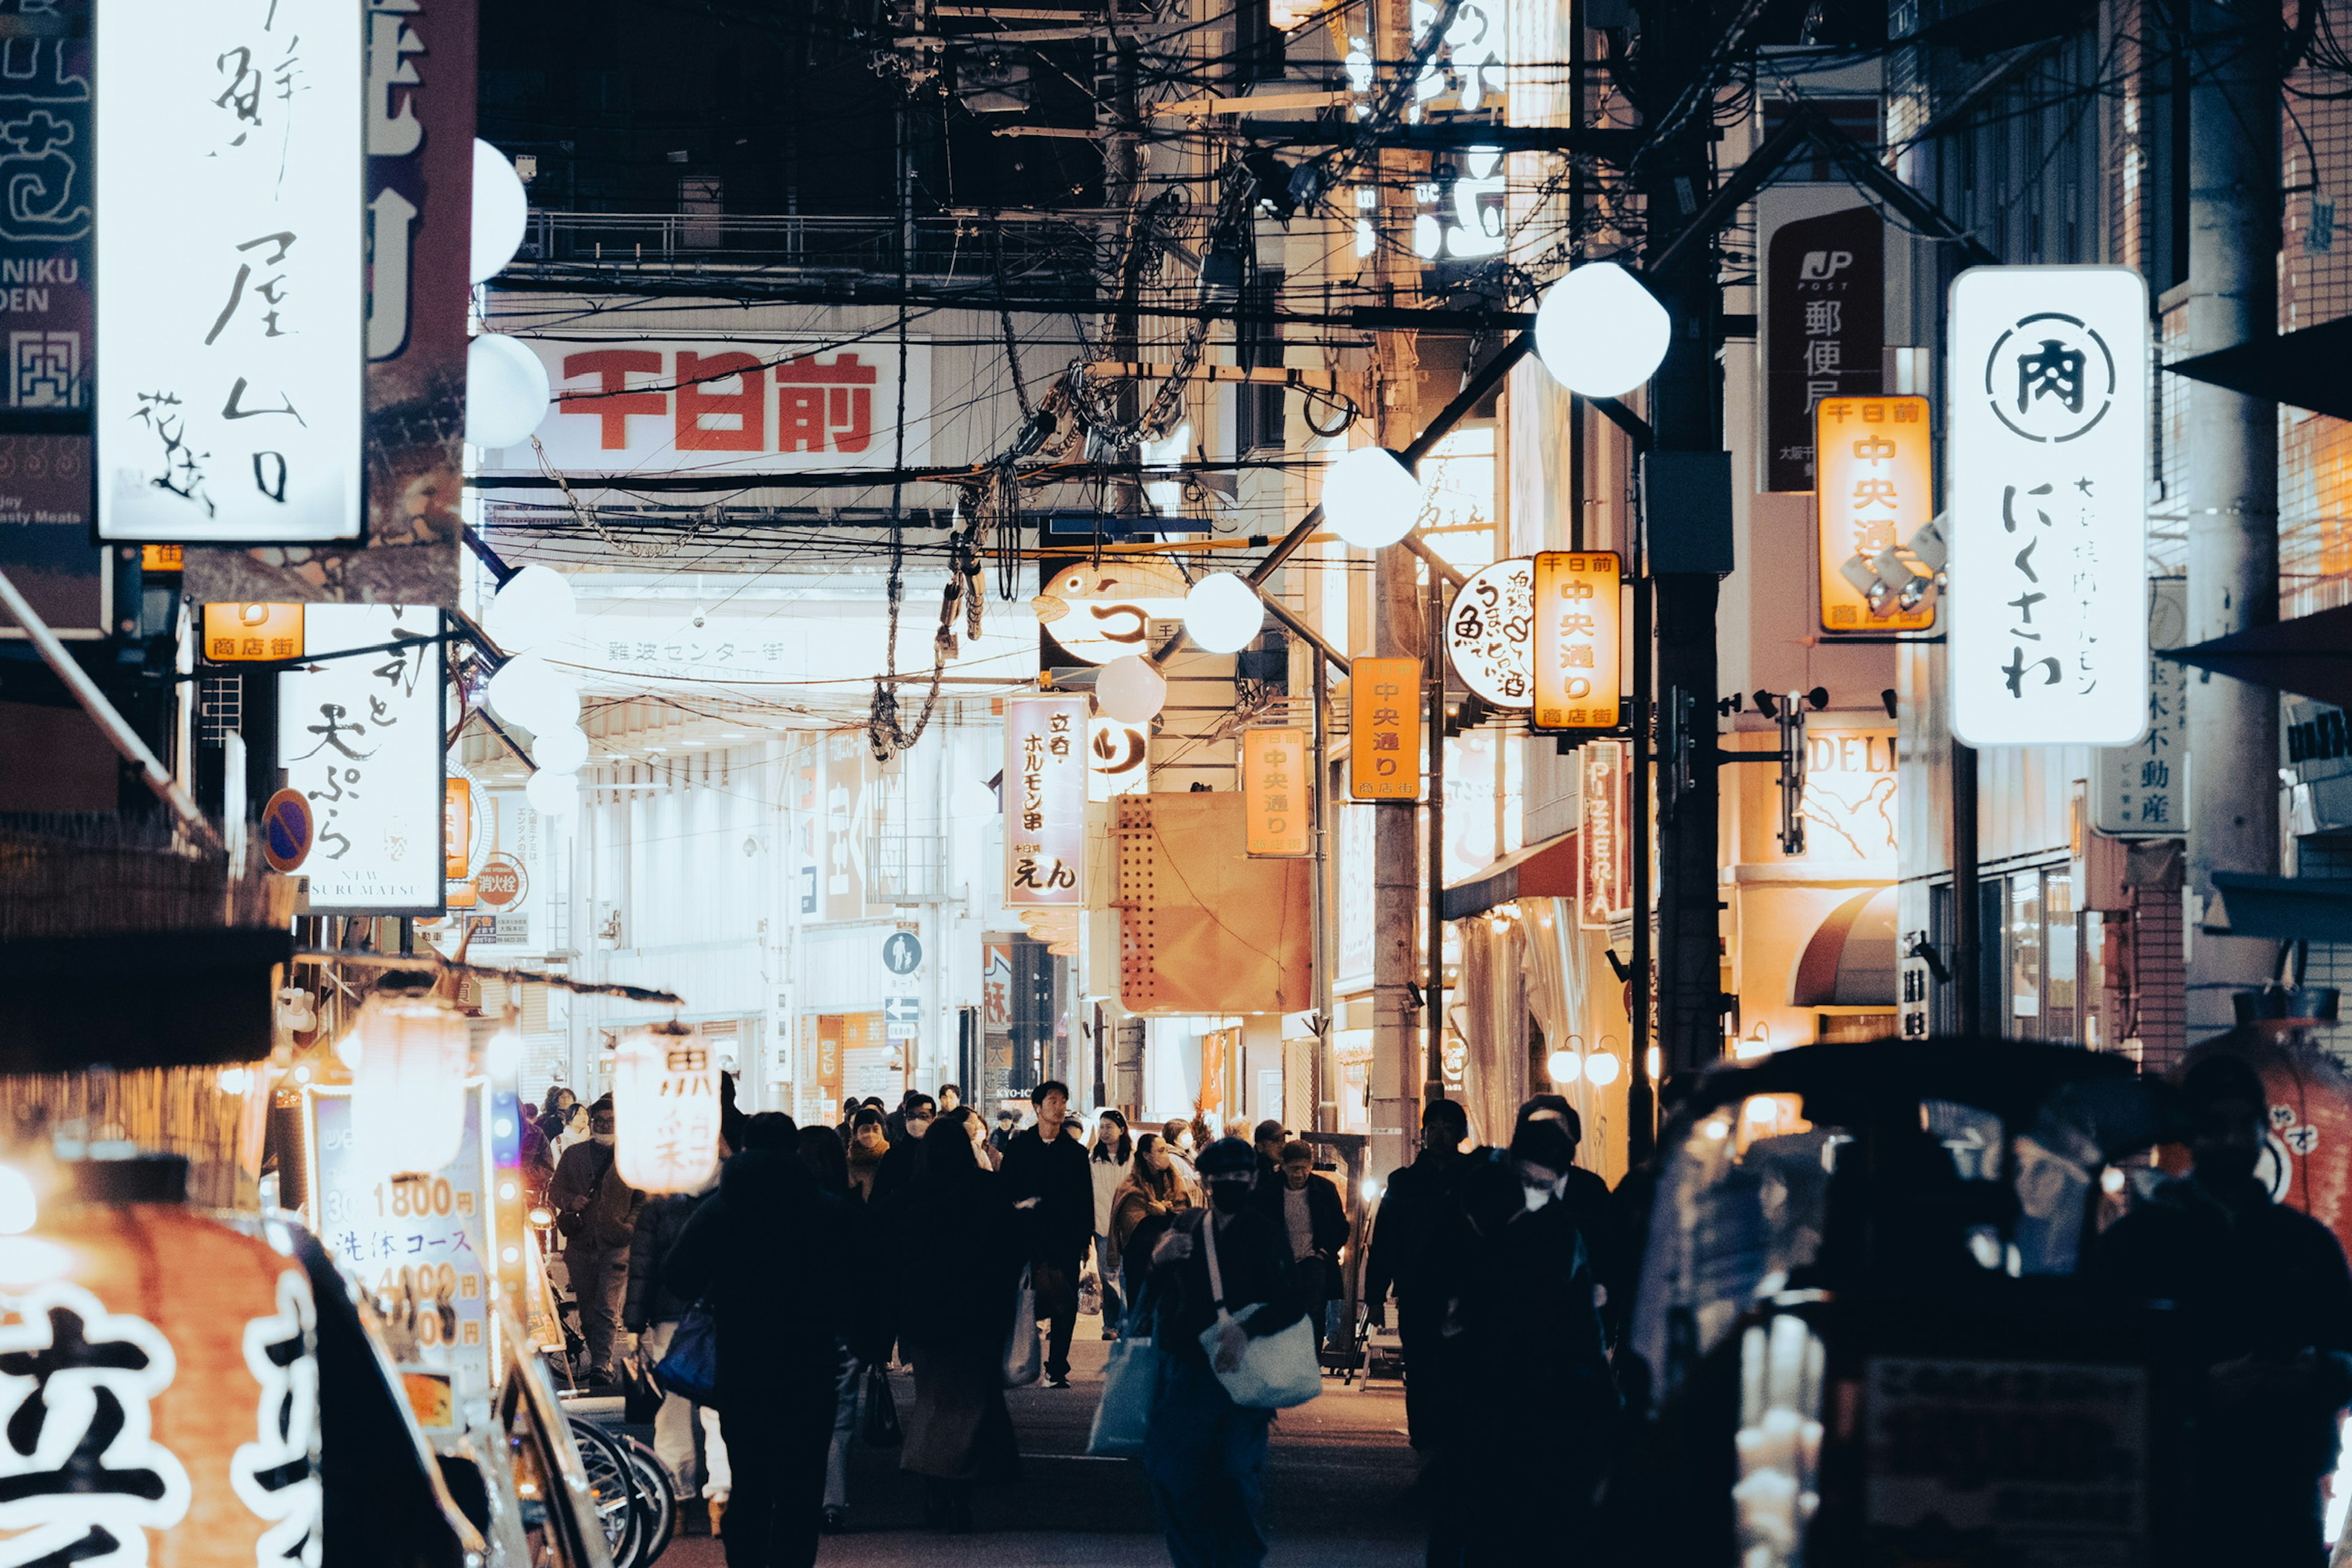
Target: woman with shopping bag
(1231, 1345)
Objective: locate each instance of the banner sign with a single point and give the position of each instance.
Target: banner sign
(2048, 506)
(1875, 457)
(231, 329)
(1277, 778)
(1576, 655)
(235, 634)
(1824, 322)
(1384, 743)
(2142, 790)
(670, 407)
(1045, 801)
(361, 736)
(1490, 631)
(1604, 884)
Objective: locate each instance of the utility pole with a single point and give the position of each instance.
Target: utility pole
(2233, 474)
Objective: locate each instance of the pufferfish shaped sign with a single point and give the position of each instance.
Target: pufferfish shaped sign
(1094, 612)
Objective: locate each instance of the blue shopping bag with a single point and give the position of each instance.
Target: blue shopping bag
(1125, 1413)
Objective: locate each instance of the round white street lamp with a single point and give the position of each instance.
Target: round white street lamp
(506, 391)
(501, 212)
(552, 794)
(561, 751)
(1600, 332)
(1369, 499)
(1131, 689)
(532, 608)
(1222, 613)
(531, 692)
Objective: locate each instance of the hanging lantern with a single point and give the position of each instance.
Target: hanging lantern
(408, 1083)
(665, 1110)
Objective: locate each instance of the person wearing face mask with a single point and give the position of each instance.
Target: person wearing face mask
(1415, 1205)
(1520, 1332)
(903, 1166)
(596, 1212)
(1203, 1455)
(2264, 1294)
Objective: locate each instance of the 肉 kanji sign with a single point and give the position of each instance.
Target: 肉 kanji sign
(2047, 496)
(634, 406)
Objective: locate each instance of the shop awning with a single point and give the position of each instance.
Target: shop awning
(2310, 655)
(1545, 870)
(1850, 961)
(2303, 368)
(2280, 908)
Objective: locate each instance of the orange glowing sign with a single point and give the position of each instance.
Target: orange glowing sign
(163, 557)
(1276, 782)
(1577, 658)
(1874, 488)
(1384, 749)
(458, 828)
(238, 633)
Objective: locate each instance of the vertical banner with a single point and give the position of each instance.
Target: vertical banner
(1045, 801)
(361, 735)
(1276, 782)
(231, 329)
(2048, 506)
(2142, 790)
(1384, 744)
(45, 322)
(417, 111)
(1604, 890)
(458, 829)
(1576, 644)
(1875, 457)
(1824, 326)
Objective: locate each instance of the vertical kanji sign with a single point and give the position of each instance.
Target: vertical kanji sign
(1384, 744)
(1045, 801)
(1577, 655)
(1604, 891)
(1876, 489)
(231, 235)
(1824, 325)
(2142, 790)
(1276, 780)
(2047, 499)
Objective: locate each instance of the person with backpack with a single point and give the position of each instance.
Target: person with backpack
(596, 1212)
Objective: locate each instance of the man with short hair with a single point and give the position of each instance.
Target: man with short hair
(1403, 1253)
(597, 1214)
(1267, 1139)
(951, 1097)
(903, 1164)
(1046, 1176)
(1312, 1220)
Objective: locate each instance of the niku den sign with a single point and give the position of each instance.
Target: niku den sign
(230, 233)
(2047, 496)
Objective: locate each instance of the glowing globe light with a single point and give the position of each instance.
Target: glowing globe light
(1223, 612)
(1130, 688)
(563, 751)
(506, 391)
(1563, 1066)
(1369, 499)
(1600, 332)
(1601, 1069)
(532, 608)
(531, 692)
(501, 211)
(552, 794)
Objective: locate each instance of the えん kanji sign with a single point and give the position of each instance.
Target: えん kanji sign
(1045, 801)
(2047, 499)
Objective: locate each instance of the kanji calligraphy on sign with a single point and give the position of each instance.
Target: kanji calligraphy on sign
(246, 632)
(1605, 893)
(1490, 633)
(1876, 488)
(2142, 790)
(666, 1109)
(2047, 501)
(229, 357)
(1278, 781)
(1045, 801)
(1576, 654)
(1384, 739)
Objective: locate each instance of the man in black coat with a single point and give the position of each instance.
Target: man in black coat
(768, 1251)
(653, 1313)
(1312, 1218)
(1595, 1210)
(597, 1213)
(1415, 1207)
(1046, 1177)
(903, 1166)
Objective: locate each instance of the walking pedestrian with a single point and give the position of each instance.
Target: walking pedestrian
(1413, 1206)
(1045, 1179)
(764, 1251)
(652, 1313)
(538, 1161)
(1203, 1455)
(1141, 1207)
(960, 1253)
(559, 1102)
(1267, 1139)
(951, 1097)
(1596, 1210)
(867, 1145)
(902, 1165)
(1313, 1218)
(1008, 1123)
(827, 1161)
(1176, 1138)
(597, 1213)
(571, 1128)
(1113, 1152)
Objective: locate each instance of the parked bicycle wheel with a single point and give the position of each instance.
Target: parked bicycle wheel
(611, 1481)
(657, 1498)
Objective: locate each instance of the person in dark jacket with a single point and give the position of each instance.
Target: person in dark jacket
(1046, 1178)
(1413, 1207)
(1313, 1219)
(1595, 1209)
(1203, 1455)
(902, 1167)
(960, 1252)
(601, 1210)
(2265, 1299)
(869, 1143)
(1521, 1335)
(765, 1251)
(822, 1152)
(652, 1313)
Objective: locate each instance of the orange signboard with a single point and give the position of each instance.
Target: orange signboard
(234, 633)
(458, 828)
(1577, 656)
(1276, 785)
(163, 557)
(1384, 748)
(1876, 488)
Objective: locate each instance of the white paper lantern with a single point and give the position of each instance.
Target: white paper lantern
(532, 608)
(1369, 499)
(1223, 612)
(408, 1086)
(563, 751)
(501, 212)
(552, 794)
(531, 692)
(665, 1110)
(506, 391)
(1130, 688)
(1600, 332)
